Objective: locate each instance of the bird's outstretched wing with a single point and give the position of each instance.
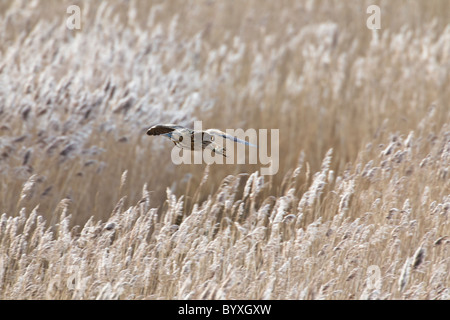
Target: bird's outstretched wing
(159, 129)
(222, 134)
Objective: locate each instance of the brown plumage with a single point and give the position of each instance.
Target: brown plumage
(186, 138)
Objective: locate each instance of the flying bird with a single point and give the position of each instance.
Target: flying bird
(186, 138)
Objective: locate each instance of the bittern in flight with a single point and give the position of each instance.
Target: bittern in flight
(186, 138)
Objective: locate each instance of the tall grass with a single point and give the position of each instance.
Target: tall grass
(94, 208)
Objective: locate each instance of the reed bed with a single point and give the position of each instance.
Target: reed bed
(92, 208)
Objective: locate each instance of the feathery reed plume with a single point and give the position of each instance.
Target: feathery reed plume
(28, 189)
(404, 275)
(418, 257)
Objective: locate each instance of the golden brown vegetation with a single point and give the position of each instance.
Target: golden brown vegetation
(93, 208)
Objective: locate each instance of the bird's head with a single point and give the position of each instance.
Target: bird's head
(175, 136)
(208, 137)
